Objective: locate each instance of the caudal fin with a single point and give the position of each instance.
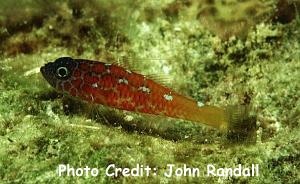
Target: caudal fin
(241, 120)
(235, 118)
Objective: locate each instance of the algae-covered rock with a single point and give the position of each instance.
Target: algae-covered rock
(242, 55)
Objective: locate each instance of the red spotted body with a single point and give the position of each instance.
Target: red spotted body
(115, 86)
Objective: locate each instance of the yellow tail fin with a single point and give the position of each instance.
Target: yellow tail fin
(236, 118)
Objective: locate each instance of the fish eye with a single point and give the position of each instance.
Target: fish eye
(62, 72)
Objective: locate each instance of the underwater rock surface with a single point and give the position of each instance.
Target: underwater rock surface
(218, 52)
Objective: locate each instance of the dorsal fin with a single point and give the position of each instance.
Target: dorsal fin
(161, 78)
(129, 63)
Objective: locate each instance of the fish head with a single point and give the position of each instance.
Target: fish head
(58, 71)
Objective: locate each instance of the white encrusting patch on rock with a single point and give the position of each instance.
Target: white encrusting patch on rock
(200, 104)
(128, 118)
(124, 81)
(32, 71)
(168, 97)
(144, 89)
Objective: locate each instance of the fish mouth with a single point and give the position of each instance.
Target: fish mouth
(45, 69)
(47, 74)
(42, 70)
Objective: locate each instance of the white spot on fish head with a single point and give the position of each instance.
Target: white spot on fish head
(128, 71)
(168, 97)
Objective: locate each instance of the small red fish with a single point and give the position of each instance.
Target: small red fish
(115, 86)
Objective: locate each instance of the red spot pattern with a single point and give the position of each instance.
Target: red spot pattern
(67, 86)
(98, 68)
(108, 81)
(88, 89)
(90, 79)
(73, 92)
(76, 82)
(84, 66)
(137, 80)
(119, 94)
(76, 73)
(118, 71)
(123, 90)
(112, 99)
(116, 87)
(128, 105)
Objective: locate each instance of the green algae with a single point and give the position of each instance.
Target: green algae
(40, 129)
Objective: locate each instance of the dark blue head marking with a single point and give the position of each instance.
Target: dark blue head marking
(59, 70)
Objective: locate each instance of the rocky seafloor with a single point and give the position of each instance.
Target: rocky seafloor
(218, 52)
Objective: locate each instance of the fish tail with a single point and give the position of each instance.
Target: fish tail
(212, 116)
(236, 118)
(241, 121)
